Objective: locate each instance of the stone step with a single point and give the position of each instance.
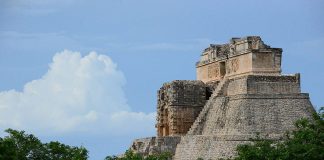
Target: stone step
(197, 127)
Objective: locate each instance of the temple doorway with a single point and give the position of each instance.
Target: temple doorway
(222, 68)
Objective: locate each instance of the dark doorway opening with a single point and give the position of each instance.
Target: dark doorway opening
(165, 130)
(222, 67)
(209, 92)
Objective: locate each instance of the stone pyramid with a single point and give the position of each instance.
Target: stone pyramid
(239, 93)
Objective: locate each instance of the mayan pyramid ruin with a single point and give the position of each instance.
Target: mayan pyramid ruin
(239, 93)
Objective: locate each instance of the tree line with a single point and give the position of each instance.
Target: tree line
(306, 142)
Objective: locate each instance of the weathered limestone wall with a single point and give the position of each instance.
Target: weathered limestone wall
(153, 145)
(209, 72)
(239, 65)
(241, 56)
(183, 93)
(240, 119)
(258, 105)
(245, 115)
(181, 118)
(208, 147)
(200, 124)
(267, 62)
(258, 84)
(179, 103)
(273, 84)
(237, 86)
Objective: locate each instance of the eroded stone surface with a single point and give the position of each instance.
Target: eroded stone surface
(179, 103)
(154, 145)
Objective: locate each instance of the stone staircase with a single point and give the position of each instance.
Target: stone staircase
(213, 121)
(198, 126)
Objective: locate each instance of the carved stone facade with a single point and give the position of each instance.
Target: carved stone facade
(179, 103)
(241, 56)
(239, 92)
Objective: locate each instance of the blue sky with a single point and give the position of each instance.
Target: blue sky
(45, 59)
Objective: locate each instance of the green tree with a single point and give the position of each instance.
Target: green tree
(23, 146)
(20, 146)
(7, 149)
(59, 151)
(306, 142)
(161, 156)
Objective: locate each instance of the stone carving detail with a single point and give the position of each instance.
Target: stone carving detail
(244, 50)
(234, 65)
(213, 70)
(255, 43)
(228, 68)
(232, 48)
(225, 49)
(217, 74)
(210, 71)
(179, 102)
(218, 51)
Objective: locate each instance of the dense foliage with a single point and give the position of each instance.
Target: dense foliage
(20, 146)
(130, 155)
(306, 142)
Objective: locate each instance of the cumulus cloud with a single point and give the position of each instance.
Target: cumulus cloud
(77, 94)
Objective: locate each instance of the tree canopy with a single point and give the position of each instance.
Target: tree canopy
(21, 146)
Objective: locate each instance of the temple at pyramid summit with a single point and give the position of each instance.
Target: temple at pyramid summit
(239, 92)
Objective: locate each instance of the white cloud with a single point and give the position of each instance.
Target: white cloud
(77, 94)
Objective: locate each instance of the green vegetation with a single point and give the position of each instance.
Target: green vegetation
(130, 155)
(20, 146)
(307, 143)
